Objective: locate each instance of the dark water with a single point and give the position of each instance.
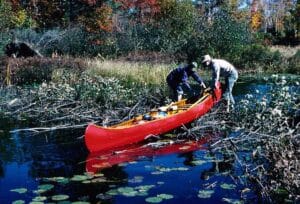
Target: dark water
(183, 172)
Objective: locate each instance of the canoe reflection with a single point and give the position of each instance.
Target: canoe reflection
(104, 159)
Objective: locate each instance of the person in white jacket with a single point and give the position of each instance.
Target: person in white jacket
(222, 68)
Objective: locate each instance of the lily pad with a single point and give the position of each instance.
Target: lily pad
(80, 202)
(79, 178)
(39, 198)
(233, 201)
(182, 169)
(58, 179)
(145, 187)
(136, 179)
(205, 193)
(165, 196)
(130, 194)
(18, 202)
(125, 189)
(36, 202)
(112, 192)
(228, 186)
(59, 197)
(45, 187)
(19, 190)
(153, 199)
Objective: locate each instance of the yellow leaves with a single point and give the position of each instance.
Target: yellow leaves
(256, 20)
(20, 18)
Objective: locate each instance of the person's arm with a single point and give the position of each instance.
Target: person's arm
(197, 78)
(215, 75)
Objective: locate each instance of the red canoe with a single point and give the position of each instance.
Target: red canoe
(159, 121)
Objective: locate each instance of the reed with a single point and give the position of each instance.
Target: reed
(132, 72)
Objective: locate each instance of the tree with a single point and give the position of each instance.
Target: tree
(256, 21)
(140, 10)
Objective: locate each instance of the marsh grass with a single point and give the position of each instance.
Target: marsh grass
(132, 72)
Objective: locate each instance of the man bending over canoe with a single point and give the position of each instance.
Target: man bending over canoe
(178, 78)
(223, 68)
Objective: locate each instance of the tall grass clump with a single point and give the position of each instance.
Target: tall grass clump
(144, 74)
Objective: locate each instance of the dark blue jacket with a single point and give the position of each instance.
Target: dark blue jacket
(181, 75)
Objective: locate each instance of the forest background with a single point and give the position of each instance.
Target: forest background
(242, 32)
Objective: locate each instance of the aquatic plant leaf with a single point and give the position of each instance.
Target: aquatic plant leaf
(136, 179)
(103, 196)
(98, 175)
(18, 202)
(182, 169)
(233, 201)
(19, 190)
(79, 178)
(45, 187)
(99, 180)
(112, 192)
(153, 199)
(80, 202)
(125, 189)
(59, 197)
(36, 202)
(205, 193)
(130, 194)
(39, 191)
(144, 188)
(165, 196)
(58, 179)
(228, 186)
(39, 198)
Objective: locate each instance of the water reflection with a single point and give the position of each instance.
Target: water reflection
(101, 160)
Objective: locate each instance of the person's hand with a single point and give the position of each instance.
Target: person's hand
(203, 85)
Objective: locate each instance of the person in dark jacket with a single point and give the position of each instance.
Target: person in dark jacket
(178, 78)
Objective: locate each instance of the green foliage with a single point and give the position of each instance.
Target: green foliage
(6, 16)
(4, 40)
(106, 92)
(176, 24)
(259, 55)
(227, 37)
(294, 63)
(10, 18)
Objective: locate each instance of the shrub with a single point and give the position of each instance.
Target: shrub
(294, 63)
(37, 70)
(226, 36)
(259, 55)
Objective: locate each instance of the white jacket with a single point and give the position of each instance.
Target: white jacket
(222, 68)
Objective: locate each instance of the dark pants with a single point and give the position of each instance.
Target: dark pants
(176, 90)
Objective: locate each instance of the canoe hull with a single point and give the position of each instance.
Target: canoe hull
(100, 138)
